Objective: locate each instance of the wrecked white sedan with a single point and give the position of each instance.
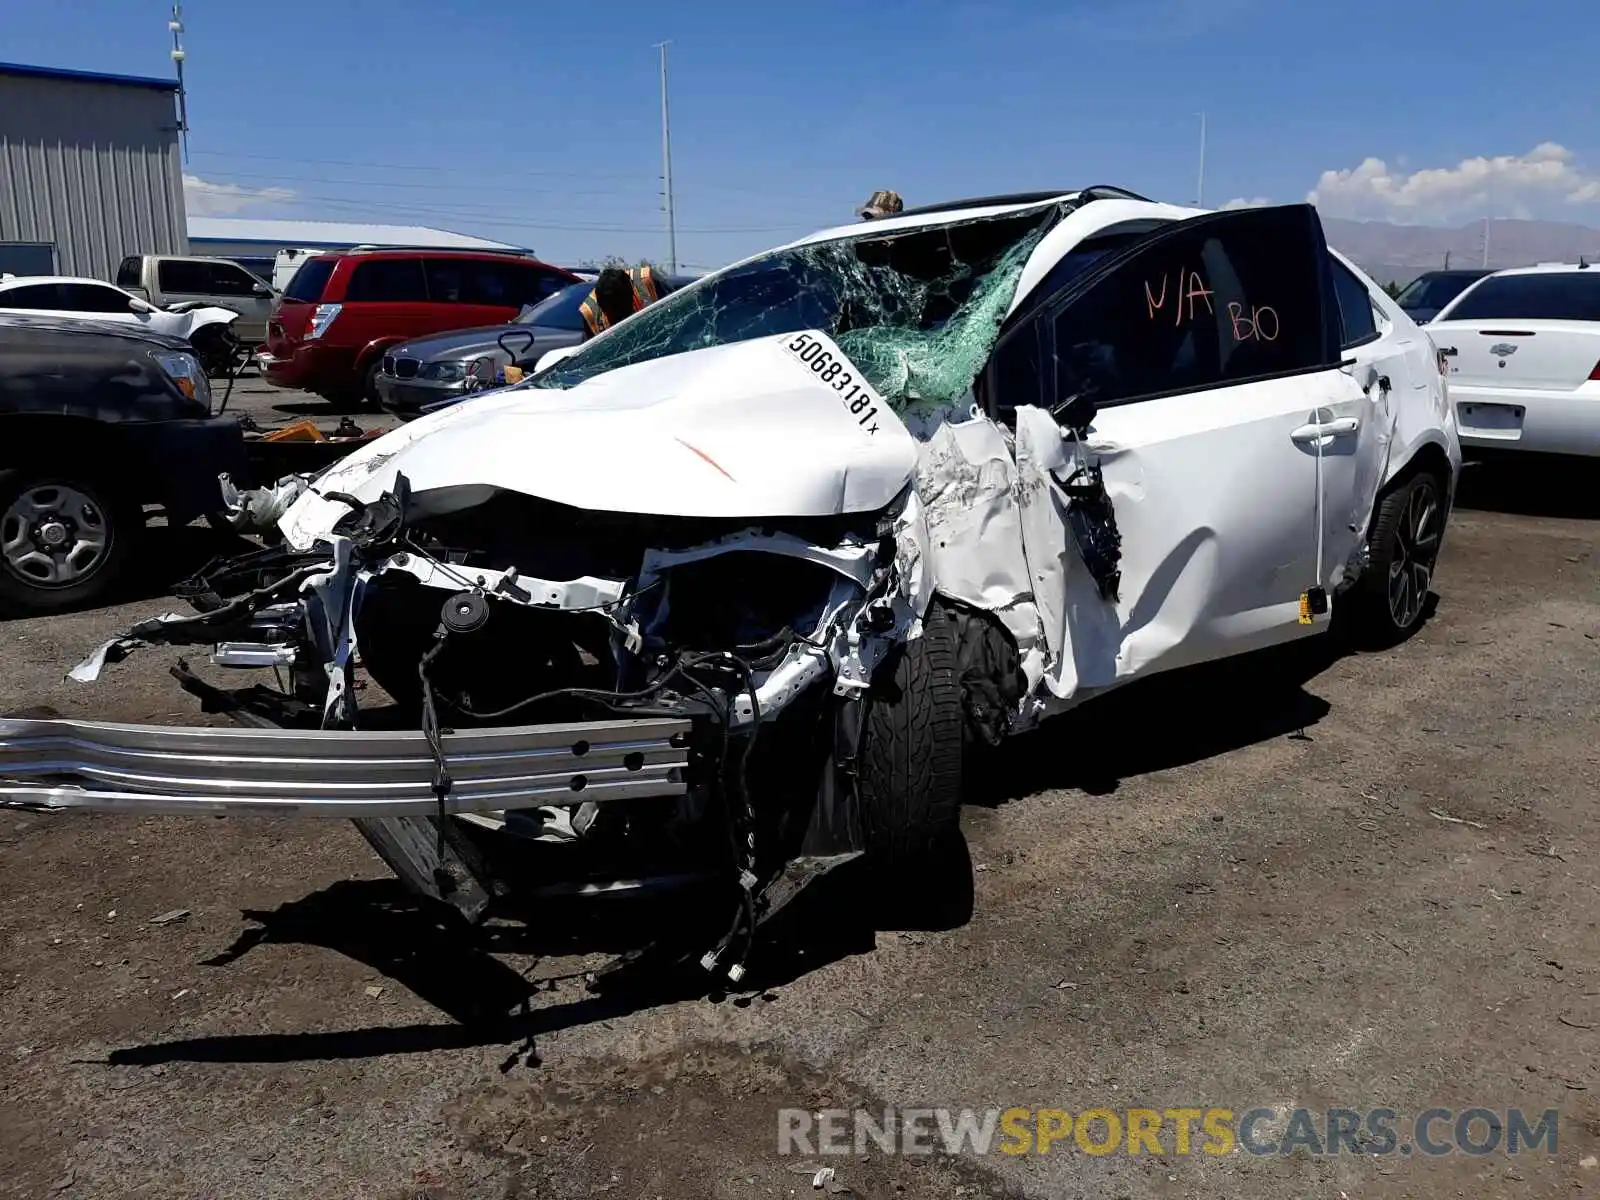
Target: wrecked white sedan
(724, 593)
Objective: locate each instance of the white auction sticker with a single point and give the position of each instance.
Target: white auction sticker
(818, 354)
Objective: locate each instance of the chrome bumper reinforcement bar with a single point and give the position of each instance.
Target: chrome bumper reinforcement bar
(98, 766)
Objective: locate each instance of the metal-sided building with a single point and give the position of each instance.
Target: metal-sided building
(89, 171)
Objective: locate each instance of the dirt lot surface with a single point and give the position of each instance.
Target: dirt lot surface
(1314, 880)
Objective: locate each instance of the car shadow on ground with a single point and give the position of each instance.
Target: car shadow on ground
(1179, 718)
(175, 552)
(460, 971)
(1532, 486)
(1168, 720)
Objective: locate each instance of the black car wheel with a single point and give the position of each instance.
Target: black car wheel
(369, 385)
(1391, 596)
(910, 756)
(65, 540)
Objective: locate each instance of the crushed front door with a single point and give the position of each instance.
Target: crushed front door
(1209, 350)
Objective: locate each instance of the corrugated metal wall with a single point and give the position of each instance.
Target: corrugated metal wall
(92, 167)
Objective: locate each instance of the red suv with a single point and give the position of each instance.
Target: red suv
(341, 311)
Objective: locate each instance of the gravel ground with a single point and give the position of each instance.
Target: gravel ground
(1309, 880)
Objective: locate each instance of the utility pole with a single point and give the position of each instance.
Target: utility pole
(1200, 187)
(666, 165)
(1488, 216)
(176, 26)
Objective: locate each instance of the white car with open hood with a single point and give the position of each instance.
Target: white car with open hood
(725, 593)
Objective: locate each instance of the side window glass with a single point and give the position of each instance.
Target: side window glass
(84, 297)
(547, 284)
(529, 285)
(393, 280)
(1355, 307)
(176, 275)
(128, 272)
(1016, 374)
(229, 280)
(492, 283)
(448, 280)
(1222, 300)
(36, 295)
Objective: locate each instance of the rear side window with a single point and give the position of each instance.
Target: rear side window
(1355, 307)
(128, 272)
(463, 281)
(388, 281)
(1216, 301)
(34, 295)
(309, 280)
(1557, 296)
(501, 284)
(87, 297)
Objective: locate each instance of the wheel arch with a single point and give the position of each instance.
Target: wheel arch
(1429, 458)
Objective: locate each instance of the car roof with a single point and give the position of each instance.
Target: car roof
(394, 252)
(18, 280)
(1112, 207)
(1548, 269)
(929, 218)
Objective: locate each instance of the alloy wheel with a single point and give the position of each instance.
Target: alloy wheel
(1416, 550)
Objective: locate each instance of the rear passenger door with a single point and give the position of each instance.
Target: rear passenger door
(478, 292)
(388, 299)
(1211, 350)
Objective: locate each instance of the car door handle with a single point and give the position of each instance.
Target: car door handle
(1315, 432)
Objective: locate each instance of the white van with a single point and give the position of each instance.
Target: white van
(288, 262)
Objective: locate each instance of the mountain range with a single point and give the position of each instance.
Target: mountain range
(1399, 253)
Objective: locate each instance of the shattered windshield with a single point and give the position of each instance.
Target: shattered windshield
(918, 311)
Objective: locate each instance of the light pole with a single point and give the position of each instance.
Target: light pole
(666, 165)
(176, 26)
(1200, 186)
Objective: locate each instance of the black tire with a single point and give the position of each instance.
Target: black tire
(368, 396)
(114, 516)
(1389, 601)
(910, 756)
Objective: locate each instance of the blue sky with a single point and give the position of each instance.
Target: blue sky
(540, 123)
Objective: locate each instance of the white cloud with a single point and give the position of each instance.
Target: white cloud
(203, 198)
(1508, 185)
(1251, 202)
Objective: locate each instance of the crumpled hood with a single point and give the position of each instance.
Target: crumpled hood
(744, 430)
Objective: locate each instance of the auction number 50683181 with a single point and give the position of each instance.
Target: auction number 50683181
(859, 400)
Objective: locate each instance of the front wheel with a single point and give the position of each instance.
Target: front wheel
(910, 756)
(65, 540)
(1390, 598)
